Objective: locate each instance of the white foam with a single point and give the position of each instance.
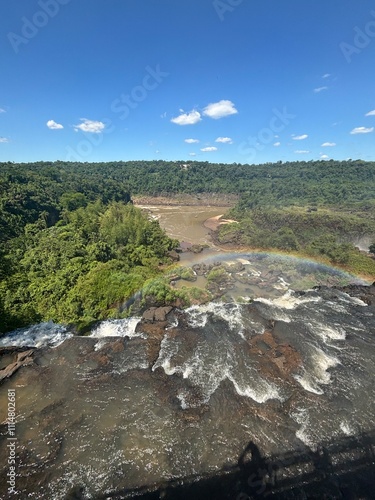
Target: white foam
(167, 350)
(182, 398)
(41, 335)
(308, 383)
(117, 328)
(347, 429)
(101, 343)
(197, 317)
(261, 392)
(301, 416)
(283, 282)
(243, 261)
(357, 301)
(174, 324)
(289, 300)
(254, 272)
(231, 313)
(337, 307)
(318, 374)
(327, 333)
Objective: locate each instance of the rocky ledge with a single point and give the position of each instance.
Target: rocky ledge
(12, 358)
(364, 293)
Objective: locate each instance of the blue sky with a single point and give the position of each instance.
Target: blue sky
(248, 81)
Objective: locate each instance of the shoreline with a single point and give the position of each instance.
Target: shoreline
(203, 199)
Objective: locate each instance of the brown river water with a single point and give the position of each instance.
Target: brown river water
(186, 223)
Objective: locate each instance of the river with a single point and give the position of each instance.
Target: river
(185, 223)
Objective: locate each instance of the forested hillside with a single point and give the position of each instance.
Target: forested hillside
(72, 247)
(272, 184)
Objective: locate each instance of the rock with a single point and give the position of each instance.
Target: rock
(161, 313)
(149, 314)
(178, 303)
(20, 356)
(237, 267)
(200, 269)
(362, 292)
(156, 313)
(184, 246)
(196, 248)
(174, 255)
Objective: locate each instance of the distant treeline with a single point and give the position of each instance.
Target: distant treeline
(271, 184)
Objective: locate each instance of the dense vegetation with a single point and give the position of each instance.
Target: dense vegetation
(74, 249)
(326, 233)
(70, 250)
(271, 184)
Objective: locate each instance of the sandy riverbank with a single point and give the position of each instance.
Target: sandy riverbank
(198, 200)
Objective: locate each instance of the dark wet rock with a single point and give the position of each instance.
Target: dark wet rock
(156, 313)
(149, 314)
(362, 292)
(13, 358)
(161, 313)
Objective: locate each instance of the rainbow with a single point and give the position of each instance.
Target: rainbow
(303, 264)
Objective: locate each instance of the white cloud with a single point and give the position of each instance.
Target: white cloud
(53, 125)
(192, 154)
(2, 110)
(277, 144)
(300, 137)
(320, 89)
(209, 149)
(220, 109)
(371, 113)
(3, 140)
(224, 140)
(328, 144)
(324, 157)
(327, 75)
(191, 141)
(187, 118)
(362, 130)
(301, 151)
(163, 115)
(92, 126)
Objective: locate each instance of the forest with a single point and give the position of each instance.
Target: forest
(73, 248)
(272, 184)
